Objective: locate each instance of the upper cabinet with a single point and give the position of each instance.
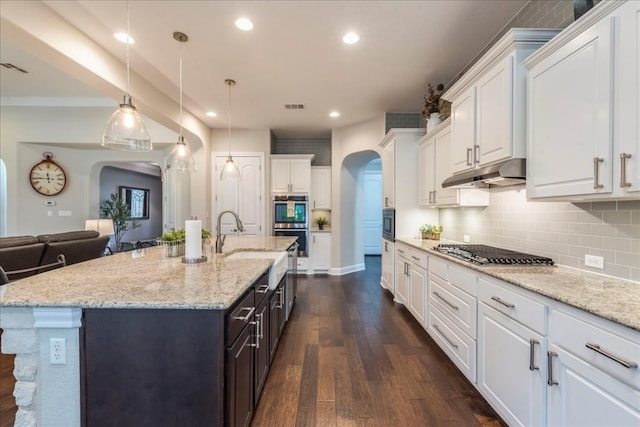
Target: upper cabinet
(321, 187)
(583, 138)
(291, 173)
(388, 173)
(434, 166)
(488, 102)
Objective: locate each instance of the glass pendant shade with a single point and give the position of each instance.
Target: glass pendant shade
(125, 129)
(230, 171)
(180, 159)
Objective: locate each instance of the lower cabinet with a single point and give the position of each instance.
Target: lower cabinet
(262, 353)
(387, 278)
(401, 274)
(240, 379)
(277, 318)
(320, 252)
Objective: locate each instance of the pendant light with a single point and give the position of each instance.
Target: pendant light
(230, 171)
(181, 159)
(125, 130)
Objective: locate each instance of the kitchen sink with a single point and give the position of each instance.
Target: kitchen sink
(276, 271)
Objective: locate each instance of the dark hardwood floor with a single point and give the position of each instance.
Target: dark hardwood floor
(350, 356)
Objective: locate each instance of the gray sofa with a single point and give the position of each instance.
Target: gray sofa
(22, 252)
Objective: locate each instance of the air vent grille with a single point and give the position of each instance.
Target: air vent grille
(10, 66)
(294, 106)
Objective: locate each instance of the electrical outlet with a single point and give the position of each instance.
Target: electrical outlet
(594, 261)
(58, 351)
(466, 238)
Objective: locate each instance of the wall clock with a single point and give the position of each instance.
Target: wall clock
(47, 177)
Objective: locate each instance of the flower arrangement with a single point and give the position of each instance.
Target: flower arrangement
(432, 100)
(429, 231)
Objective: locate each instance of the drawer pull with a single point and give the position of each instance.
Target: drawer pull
(625, 363)
(506, 304)
(623, 170)
(257, 343)
(451, 343)
(455, 307)
(248, 316)
(550, 381)
(596, 173)
(415, 258)
(262, 289)
(532, 345)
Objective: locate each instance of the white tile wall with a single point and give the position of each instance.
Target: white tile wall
(560, 230)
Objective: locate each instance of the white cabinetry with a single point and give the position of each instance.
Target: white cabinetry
(320, 256)
(591, 375)
(291, 173)
(434, 166)
(402, 274)
(511, 353)
(584, 107)
(387, 265)
(488, 102)
(388, 173)
(452, 309)
(412, 280)
(320, 187)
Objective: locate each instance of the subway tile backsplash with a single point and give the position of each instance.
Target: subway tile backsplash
(563, 231)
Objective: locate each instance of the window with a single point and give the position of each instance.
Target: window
(137, 199)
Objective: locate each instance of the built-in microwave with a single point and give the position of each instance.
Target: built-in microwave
(389, 224)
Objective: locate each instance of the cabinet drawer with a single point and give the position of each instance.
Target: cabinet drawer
(402, 250)
(607, 348)
(419, 258)
(240, 316)
(458, 306)
(262, 288)
(514, 304)
(439, 267)
(464, 278)
(456, 344)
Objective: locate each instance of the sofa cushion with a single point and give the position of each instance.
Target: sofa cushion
(20, 257)
(75, 251)
(70, 235)
(10, 242)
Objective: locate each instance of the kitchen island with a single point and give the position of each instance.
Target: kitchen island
(154, 310)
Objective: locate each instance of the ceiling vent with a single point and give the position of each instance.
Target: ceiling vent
(10, 66)
(294, 106)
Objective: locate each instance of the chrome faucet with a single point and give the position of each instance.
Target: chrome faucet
(219, 236)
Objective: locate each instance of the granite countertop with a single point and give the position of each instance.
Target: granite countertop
(607, 297)
(146, 278)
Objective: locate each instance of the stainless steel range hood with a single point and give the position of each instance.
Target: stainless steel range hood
(509, 172)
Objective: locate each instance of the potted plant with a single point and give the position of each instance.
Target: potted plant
(321, 221)
(425, 229)
(431, 111)
(173, 242)
(434, 234)
(118, 211)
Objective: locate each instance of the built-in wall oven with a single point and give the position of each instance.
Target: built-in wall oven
(389, 224)
(291, 218)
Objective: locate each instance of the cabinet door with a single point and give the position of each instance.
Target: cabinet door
(321, 251)
(387, 279)
(240, 376)
(511, 367)
(280, 176)
(426, 177)
(569, 136)
(494, 114)
(442, 168)
(418, 294)
(274, 324)
(401, 280)
(321, 188)
(582, 395)
(388, 175)
(300, 176)
(463, 134)
(262, 355)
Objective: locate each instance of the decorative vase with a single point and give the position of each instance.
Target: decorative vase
(434, 236)
(320, 226)
(425, 235)
(433, 121)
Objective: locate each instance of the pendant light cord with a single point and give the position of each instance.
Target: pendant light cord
(181, 91)
(127, 43)
(229, 118)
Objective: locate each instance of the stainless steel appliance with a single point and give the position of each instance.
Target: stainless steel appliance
(291, 218)
(488, 255)
(389, 224)
(292, 278)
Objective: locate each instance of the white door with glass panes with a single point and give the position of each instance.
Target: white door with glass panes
(244, 197)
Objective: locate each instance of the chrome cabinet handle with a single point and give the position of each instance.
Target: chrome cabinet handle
(455, 307)
(406, 266)
(506, 304)
(314, 204)
(262, 289)
(623, 170)
(248, 316)
(415, 258)
(386, 246)
(314, 239)
(401, 251)
(451, 343)
(257, 343)
(550, 381)
(261, 325)
(476, 149)
(434, 196)
(532, 344)
(623, 362)
(468, 156)
(596, 173)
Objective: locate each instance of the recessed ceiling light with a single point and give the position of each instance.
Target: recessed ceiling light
(124, 38)
(334, 114)
(350, 38)
(244, 24)
(211, 114)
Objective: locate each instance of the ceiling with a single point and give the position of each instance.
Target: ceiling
(294, 55)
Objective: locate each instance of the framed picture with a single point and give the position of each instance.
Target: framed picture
(137, 199)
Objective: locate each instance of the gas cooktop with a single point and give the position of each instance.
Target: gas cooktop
(488, 255)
